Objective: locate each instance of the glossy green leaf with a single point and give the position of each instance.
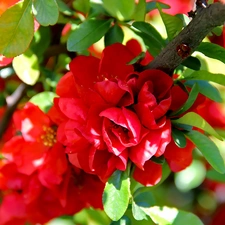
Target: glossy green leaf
(16, 29)
(64, 8)
(179, 138)
(140, 202)
(214, 175)
(121, 9)
(116, 195)
(172, 24)
(164, 215)
(208, 149)
(193, 119)
(192, 63)
(46, 12)
(189, 102)
(26, 67)
(206, 75)
(150, 36)
(114, 34)
(86, 34)
(206, 89)
(123, 221)
(44, 100)
(212, 50)
(82, 5)
(153, 5)
(140, 11)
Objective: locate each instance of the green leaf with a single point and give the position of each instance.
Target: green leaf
(214, 175)
(86, 34)
(140, 202)
(64, 8)
(206, 89)
(137, 58)
(16, 29)
(44, 100)
(206, 75)
(212, 50)
(172, 216)
(153, 5)
(192, 63)
(150, 36)
(140, 11)
(172, 24)
(208, 149)
(82, 5)
(116, 195)
(114, 34)
(179, 138)
(196, 120)
(46, 12)
(123, 221)
(190, 101)
(26, 67)
(121, 9)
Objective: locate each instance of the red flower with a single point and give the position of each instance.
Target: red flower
(111, 113)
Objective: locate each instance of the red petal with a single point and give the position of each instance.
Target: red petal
(114, 62)
(150, 175)
(85, 70)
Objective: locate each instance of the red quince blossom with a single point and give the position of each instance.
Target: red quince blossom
(36, 173)
(109, 113)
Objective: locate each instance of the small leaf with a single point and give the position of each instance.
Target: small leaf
(214, 175)
(172, 24)
(64, 8)
(116, 195)
(206, 75)
(123, 221)
(86, 34)
(142, 200)
(212, 50)
(16, 29)
(26, 67)
(208, 149)
(137, 58)
(179, 138)
(82, 5)
(150, 36)
(193, 119)
(114, 34)
(44, 100)
(140, 11)
(192, 63)
(46, 12)
(121, 9)
(190, 101)
(172, 216)
(153, 5)
(206, 89)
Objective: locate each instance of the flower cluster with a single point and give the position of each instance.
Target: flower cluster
(109, 113)
(37, 182)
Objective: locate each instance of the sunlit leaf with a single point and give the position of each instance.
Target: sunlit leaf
(140, 11)
(44, 100)
(46, 12)
(212, 50)
(116, 195)
(206, 89)
(121, 9)
(16, 29)
(193, 119)
(206, 75)
(86, 34)
(114, 34)
(172, 216)
(26, 67)
(208, 149)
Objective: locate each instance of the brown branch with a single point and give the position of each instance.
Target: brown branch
(12, 102)
(203, 22)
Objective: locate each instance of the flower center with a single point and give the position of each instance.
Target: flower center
(49, 137)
